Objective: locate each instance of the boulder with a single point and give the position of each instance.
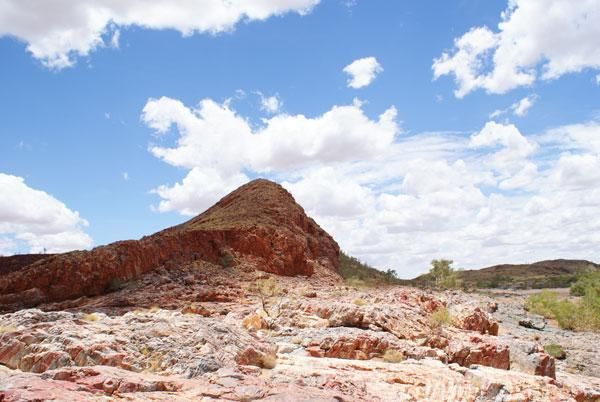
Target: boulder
(529, 357)
(533, 322)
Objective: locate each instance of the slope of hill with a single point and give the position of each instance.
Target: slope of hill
(359, 273)
(542, 274)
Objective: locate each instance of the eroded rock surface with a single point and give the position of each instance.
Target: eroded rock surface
(184, 338)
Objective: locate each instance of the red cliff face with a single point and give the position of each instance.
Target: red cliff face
(259, 224)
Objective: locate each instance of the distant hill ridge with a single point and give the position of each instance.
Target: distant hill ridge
(542, 274)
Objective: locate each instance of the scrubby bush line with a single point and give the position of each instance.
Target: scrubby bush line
(580, 315)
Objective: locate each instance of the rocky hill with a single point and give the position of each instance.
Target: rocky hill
(258, 224)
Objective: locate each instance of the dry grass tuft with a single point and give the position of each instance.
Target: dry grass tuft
(393, 356)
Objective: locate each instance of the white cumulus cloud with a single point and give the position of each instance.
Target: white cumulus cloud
(393, 199)
(535, 38)
(514, 147)
(216, 145)
(362, 72)
(57, 31)
(36, 218)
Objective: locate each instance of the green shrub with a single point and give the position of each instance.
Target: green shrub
(584, 281)
(226, 260)
(568, 315)
(580, 316)
(360, 275)
(542, 303)
(114, 284)
(555, 351)
(359, 283)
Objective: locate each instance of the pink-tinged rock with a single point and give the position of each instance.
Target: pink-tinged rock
(479, 321)
(254, 322)
(361, 347)
(11, 351)
(485, 351)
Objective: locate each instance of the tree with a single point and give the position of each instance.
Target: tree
(269, 295)
(443, 274)
(391, 276)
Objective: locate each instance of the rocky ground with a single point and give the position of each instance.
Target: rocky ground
(198, 332)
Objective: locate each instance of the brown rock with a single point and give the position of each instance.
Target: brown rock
(194, 309)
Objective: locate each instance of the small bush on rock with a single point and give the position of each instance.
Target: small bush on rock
(269, 361)
(91, 317)
(269, 295)
(440, 318)
(359, 302)
(393, 356)
(226, 260)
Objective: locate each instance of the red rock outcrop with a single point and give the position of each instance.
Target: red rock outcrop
(259, 224)
(362, 347)
(479, 350)
(477, 320)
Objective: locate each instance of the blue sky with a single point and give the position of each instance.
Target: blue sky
(441, 176)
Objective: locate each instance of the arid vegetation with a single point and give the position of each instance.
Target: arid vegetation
(441, 275)
(555, 351)
(577, 315)
(589, 280)
(269, 295)
(393, 356)
(440, 318)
